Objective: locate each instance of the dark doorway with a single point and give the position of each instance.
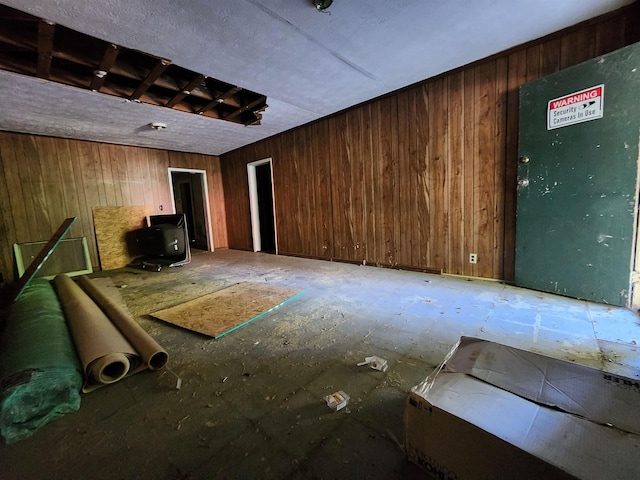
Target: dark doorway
(265, 208)
(189, 199)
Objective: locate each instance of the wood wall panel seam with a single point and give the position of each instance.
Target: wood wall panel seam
(393, 194)
(49, 179)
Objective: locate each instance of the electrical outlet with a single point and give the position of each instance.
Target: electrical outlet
(473, 258)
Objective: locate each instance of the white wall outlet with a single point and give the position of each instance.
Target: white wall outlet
(473, 258)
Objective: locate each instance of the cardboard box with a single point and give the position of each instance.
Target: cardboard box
(493, 411)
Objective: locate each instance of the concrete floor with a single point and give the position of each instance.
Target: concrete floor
(251, 403)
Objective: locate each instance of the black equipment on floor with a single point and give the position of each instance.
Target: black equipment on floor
(165, 242)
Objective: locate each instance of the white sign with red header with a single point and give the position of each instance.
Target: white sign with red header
(578, 107)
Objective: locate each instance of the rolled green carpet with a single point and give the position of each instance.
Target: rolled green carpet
(40, 375)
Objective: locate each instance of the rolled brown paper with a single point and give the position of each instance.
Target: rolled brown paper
(153, 355)
(105, 354)
(110, 368)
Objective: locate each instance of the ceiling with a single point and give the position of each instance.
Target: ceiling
(41, 48)
(308, 64)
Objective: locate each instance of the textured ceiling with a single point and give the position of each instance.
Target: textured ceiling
(36, 47)
(309, 64)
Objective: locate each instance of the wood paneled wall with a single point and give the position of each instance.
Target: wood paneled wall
(419, 178)
(44, 180)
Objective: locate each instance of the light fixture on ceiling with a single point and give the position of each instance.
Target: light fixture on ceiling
(322, 5)
(158, 125)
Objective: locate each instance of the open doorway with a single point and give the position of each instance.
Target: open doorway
(190, 196)
(261, 202)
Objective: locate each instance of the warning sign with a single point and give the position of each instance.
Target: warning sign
(577, 107)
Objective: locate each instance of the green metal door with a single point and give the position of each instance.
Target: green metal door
(578, 179)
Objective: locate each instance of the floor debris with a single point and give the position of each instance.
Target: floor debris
(376, 363)
(337, 400)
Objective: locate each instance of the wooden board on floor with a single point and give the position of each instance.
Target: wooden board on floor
(111, 225)
(223, 311)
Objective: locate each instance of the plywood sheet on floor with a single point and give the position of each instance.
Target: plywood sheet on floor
(111, 225)
(223, 311)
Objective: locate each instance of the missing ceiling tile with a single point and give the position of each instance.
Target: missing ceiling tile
(39, 48)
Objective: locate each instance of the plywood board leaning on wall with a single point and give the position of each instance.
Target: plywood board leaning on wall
(111, 227)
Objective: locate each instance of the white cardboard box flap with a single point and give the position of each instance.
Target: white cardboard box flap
(596, 395)
(492, 411)
(508, 436)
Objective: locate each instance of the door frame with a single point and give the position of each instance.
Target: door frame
(634, 294)
(205, 196)
(253, 203)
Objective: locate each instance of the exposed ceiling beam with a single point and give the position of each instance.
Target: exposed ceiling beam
(219, 99)
(186, 90)
(153, 75)
(45, 47)
(256, 120)
(37, 47)
(246, 108)
(108, 59)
